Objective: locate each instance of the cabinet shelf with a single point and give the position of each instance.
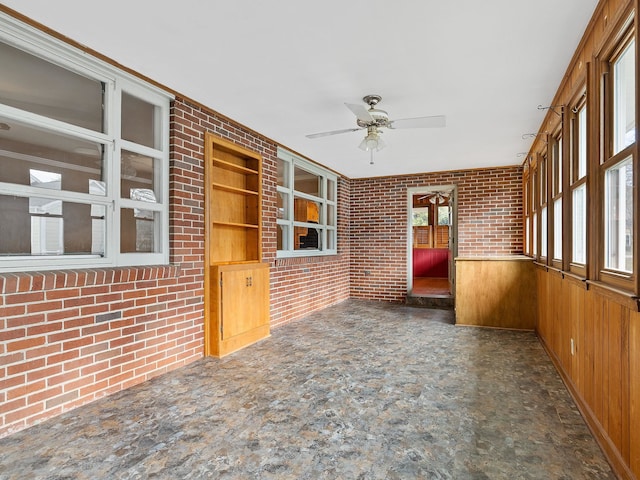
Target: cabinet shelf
(240, 191)
(237, 225)
(233, 167)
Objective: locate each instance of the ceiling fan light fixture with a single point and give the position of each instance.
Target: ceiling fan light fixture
(372, 142)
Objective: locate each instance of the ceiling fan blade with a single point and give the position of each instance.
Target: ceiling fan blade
(361, 112)
(419, 122)
(333, 132)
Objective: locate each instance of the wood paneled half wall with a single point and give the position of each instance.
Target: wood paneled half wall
(496, 292)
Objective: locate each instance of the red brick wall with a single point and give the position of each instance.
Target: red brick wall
(67, 338)
(489, 223)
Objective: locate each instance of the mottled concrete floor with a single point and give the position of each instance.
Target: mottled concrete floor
(358, 391)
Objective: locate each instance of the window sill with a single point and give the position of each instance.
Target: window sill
(576, 279)
(618, 295)
(55, 279)
(299, 260)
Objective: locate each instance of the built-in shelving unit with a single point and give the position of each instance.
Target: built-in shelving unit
(237, 281)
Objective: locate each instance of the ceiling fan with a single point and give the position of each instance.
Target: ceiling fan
(437, 198)
(373, 119)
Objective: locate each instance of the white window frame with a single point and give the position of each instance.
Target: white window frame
(33, 41)
(289, 222)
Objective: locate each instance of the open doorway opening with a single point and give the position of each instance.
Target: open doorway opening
(432, 241)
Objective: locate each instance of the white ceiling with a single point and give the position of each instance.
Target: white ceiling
(285, 68)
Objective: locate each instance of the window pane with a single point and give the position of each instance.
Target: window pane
(138, 174)
(582, 142)
(534, 226)
(543, 182)
(420, 216)
(331, 240)
(624, 117)
(47, 236)
(306, 182)
(45, 206)
(46, 226)
(331, 190)
(308, 238)
(331, 215)
(557, 229)
(306, 211)
(37, 86)
(44, 179)
(283, 173)
(283, 206)
(443, 216)
(139, 121)
(619, 217)
(283, 237)
(543, 232)
(139, 230)
(24, 150)
(527, 248)
(580, 225)
(557, 167)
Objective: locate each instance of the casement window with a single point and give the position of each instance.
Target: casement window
(578, 186)
(527, 208)
(307, 208)
(542, 207)
(83, 159)
(556, 199)
(617, 164)
(535, 181)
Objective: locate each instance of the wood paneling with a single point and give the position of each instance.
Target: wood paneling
(602, 371)
(634, 392)
(508, 300)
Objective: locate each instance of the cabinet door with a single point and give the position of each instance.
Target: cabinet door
(244, 300)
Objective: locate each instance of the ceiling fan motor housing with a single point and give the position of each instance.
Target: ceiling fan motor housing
(380, 117)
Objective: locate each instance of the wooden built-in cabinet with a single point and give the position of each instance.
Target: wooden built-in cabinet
(239, 305)
(237, 282)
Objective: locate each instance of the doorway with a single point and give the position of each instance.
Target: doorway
(432, 245)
